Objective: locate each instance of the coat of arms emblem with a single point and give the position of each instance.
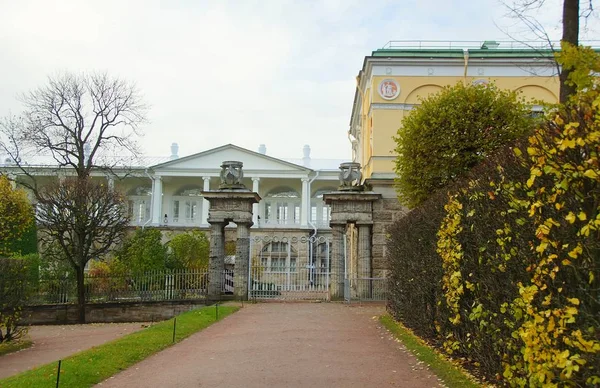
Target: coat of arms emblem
(389, 89)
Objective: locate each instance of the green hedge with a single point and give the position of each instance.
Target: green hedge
(503, 269)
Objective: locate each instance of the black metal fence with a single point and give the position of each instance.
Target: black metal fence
(149, 286)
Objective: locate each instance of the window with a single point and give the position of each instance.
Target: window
(138, 204)
(279, 257)
(282, 206)
(320, 212)
(186, 206)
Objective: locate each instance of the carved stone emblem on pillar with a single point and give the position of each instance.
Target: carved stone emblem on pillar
(350, 177)
(232, 175)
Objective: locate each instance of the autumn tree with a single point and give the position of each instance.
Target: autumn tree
(452, 131)
(84, 123)
(16, 216)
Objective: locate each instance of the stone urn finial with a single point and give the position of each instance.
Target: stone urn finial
(232, 175)
(350, 177)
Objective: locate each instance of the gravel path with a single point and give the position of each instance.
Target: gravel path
(52, 343)
(284, 345)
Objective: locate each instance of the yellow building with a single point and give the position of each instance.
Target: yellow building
(394, 79)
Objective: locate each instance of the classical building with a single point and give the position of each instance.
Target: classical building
(293, 236)
(290, 235)
(394, 79)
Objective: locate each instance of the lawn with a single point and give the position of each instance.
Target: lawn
(13, 346)
(97, 364)
(450, 374)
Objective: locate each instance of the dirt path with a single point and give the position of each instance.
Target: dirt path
(284, 345)
(52, 343)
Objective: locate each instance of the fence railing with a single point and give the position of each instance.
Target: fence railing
(365, 289)
(148, 286)
(289, 282)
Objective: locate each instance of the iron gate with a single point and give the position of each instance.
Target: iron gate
(290, 268)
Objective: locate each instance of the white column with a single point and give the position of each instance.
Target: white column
(111, 182)
(255, 187)
(305, 202)
(205, 203)
(157, 201)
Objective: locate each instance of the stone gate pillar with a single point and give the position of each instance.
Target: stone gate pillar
(216, 265)
(351, 205)
(364, 259)
(232, 202)
(242, 259)
(338, 267)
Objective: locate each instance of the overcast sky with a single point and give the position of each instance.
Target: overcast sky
(276, 72)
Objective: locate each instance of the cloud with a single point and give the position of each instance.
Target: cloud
(243, 72)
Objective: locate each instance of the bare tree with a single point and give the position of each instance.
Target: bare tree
(571, 15)
(84, 123)
(82, 219)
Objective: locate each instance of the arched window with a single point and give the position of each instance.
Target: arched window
(282, 206)
(138, 204)
(320, 213)
(279, 257)
(186, 205)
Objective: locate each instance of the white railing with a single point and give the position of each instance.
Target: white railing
(507, 45)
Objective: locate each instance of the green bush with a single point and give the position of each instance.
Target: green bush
(143, 251)
(452, 131)
(15, 289)
(16, 218)
(188, 251)
(27, 244)
(516, 279)
(416, 268)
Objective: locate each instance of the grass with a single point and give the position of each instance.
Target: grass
(449, 373)
(99, 363)
(13, 346)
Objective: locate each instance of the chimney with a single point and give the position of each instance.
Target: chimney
(262, 149)
(306, 157)
(174, 151)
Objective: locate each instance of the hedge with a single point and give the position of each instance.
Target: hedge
(502, 270)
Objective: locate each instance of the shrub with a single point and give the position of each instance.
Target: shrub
(452, 131)
(16, 218)
(416, 268)
(188, 251)
(143, 251)
(14, 291)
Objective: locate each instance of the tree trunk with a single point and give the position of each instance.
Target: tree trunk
(80, 295)
(570, 35)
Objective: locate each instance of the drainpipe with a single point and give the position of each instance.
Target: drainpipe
(151, 205)
(310, 223)
(314, 226)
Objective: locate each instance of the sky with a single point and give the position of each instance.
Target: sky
(274, 72)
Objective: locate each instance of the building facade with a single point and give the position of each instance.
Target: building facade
(394, 79)
(291, 232)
